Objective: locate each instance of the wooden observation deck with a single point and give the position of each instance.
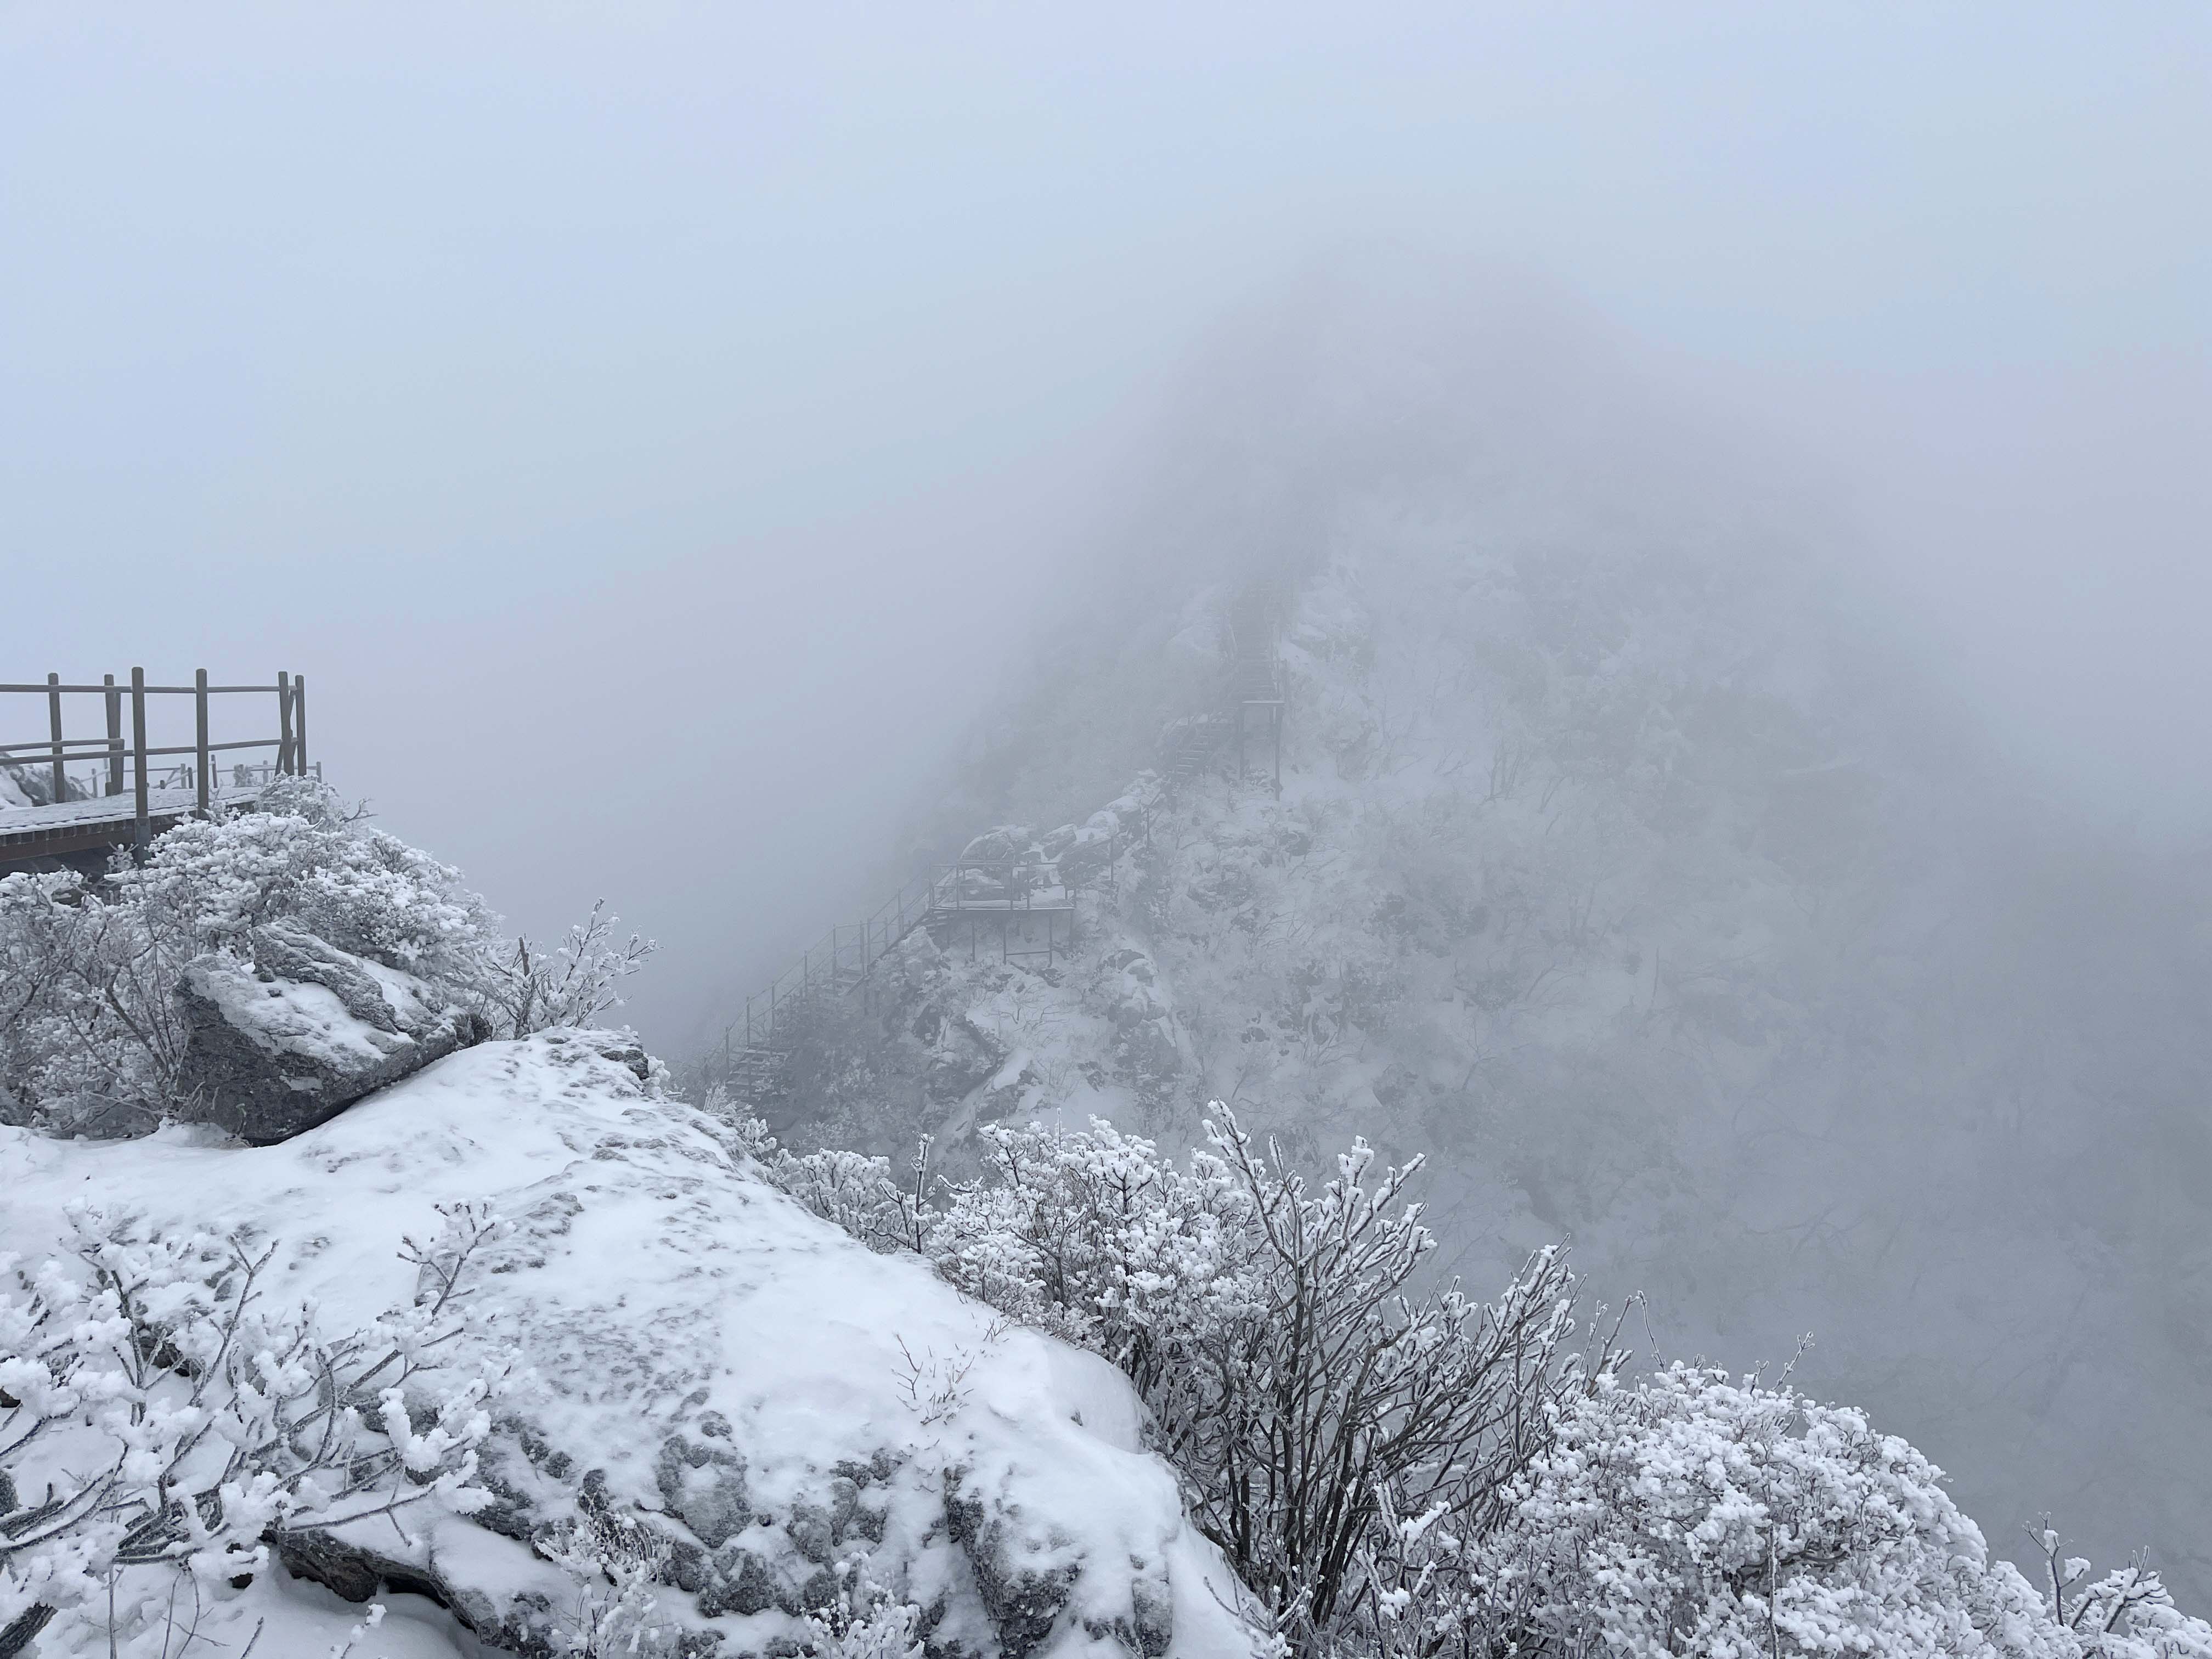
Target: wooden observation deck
(67, 798)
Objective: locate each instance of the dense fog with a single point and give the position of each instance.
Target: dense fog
(1740, 476)
(675, 419)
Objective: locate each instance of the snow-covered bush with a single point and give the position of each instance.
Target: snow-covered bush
(89, 1031)
(618, 1562)
(860, 1194)
(525, 988)
(85, 1011)
(164, 1417)
(1693, 1513)
(865, 1621)
(2126, 1614)
(1303, 1383)
(1400, 1471)
(303, 859)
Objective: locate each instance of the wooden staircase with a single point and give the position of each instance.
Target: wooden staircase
(1251, 710)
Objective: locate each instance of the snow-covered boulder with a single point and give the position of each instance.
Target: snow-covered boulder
(285, 1041)
(1007, 843)
(1086, 857)
(772, 1398)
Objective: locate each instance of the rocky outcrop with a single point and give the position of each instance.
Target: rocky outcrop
(279, 1043)
(697, 1357)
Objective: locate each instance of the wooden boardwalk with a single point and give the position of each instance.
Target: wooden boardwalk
(69, 796)
(55, 830)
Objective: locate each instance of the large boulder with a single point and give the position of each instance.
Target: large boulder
(1085, 860)
(1007, 843)
(279, 1043)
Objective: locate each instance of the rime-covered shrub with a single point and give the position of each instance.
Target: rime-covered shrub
(1401, 1472)
(1302, 1381)
(302, 860)
(1691, 1513)
(85, 1011)
(90, 1033)
(1093, 1236)
(522, 987)
(164, 1415)
(865, 1621)
(858, 1193)
(618, 1562)
(1694, 1513)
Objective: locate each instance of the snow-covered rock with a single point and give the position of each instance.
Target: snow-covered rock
(773, 1398)
(290, 1039)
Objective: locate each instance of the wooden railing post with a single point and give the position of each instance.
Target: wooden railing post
(284, 763)
(114, 701)
(300, 722)
(203, 765)
(142, 832)
(54, 723)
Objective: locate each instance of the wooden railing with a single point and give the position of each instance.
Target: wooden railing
(846, 957)
(134, 758)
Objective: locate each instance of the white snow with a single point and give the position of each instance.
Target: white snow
(653, 1279)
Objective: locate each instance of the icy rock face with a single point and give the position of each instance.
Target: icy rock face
(774, 1399)
(289, 1039)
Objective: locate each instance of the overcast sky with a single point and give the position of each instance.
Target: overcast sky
(619, 411)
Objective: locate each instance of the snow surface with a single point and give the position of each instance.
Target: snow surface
(26, 814)
(653, 1280)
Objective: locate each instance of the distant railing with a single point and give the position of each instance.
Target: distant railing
(845, 956)
(135, 759)
(1011, 889)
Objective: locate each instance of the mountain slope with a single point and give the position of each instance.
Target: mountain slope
(1622, 864)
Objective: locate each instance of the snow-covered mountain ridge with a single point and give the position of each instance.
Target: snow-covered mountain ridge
(1622, 868)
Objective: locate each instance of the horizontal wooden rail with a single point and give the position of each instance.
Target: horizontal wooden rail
(151, 690)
